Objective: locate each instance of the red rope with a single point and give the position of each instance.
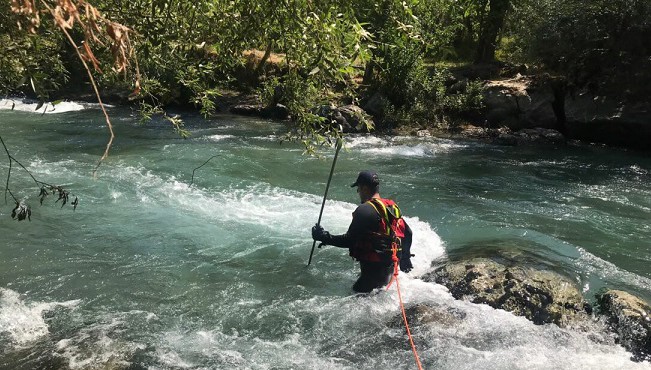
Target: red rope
(396, 269)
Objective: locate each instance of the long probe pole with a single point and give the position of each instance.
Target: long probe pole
(325, 196)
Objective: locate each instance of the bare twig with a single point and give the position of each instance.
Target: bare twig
(11, 160)
(9, 173)
(204, 163)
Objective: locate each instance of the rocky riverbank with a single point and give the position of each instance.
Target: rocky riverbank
(520, 110)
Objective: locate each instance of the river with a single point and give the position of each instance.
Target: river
(156, 269)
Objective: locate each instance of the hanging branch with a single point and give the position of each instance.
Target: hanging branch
(23, 210)
(65, 13)
(61, 24)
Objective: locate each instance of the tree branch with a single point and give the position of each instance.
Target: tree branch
(23, 210)
(62, 25)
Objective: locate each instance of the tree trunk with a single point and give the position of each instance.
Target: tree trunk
(263, 61)
(491, 27)
(559, 88)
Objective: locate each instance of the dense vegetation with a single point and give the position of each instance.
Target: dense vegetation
(304, 53)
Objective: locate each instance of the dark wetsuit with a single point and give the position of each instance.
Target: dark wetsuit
(373, 274)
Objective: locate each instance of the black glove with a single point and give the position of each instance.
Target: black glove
(319, 234)
(405, 264)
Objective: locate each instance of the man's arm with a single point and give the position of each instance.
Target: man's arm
(364, 218)
(405, 259)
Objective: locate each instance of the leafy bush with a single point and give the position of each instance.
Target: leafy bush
(419, 95)
(594, 43)
(29, 63)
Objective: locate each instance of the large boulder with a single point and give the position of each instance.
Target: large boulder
(541, 296)
(608, 120)
(358, 120)
(525, 102)
(520, 102)
(630, 318)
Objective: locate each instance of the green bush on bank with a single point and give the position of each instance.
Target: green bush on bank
(340, 51)
(419, 95)
(29, 63)
(604, 45)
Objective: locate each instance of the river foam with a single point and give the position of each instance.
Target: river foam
(25, 105)
(100, 344)
(352, 333)
(401, 146)
(288, 213)
(23, 322)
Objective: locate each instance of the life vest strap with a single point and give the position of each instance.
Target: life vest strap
(385, 212)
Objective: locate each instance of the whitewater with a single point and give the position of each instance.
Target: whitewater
(159, 270)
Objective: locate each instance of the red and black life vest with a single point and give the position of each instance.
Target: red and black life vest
(377, 246)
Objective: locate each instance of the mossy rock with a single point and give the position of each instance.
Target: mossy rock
(541, 296)
(630, 318)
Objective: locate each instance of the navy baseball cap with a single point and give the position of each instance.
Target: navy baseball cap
(366, 178)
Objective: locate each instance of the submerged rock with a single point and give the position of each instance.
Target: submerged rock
(528, 136)
(539, 135)
(505, 136)
(425, 314)
(276, 111)
(246, 109)
(630, 318)
(541, 296)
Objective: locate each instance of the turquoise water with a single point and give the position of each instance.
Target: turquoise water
(152, 272)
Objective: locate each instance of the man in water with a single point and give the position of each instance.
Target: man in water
(374, 228)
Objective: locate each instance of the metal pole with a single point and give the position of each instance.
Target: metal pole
(325, 196)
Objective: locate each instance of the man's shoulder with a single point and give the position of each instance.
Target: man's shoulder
(379, 202)
(364, 207)
(365, 210)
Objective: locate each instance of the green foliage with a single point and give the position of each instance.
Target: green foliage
(466, 103)
(403, 76)
(300, 95)
(321, 58)
(29, 63)
(416, 93)
(445, 28)
(425, 98)
(451, 28)
(190, 51)
(148, 111)
(588, 41)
